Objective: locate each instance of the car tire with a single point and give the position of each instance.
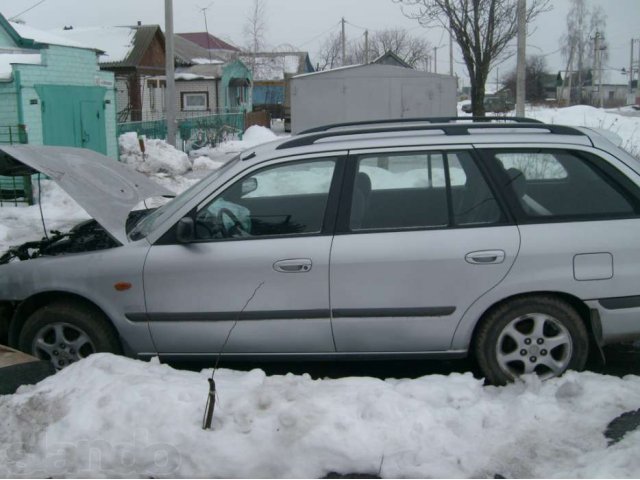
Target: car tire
(537, 334)
(64, 333)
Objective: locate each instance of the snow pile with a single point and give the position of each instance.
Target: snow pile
(112, 416)
(23, 223)
(254, 135)
(8, 59)
(206, 163)
(159, 156)
(626, 127)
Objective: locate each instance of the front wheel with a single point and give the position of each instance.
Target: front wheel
(64, 333)
(540, 335)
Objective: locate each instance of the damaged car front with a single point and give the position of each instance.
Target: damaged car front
(60, 295)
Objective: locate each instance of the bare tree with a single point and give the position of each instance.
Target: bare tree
(535, 73)
(411, 49)
(483, 30)
(577, 46)
(329, 55)
(255, 29)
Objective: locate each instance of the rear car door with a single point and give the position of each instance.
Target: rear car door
(261, 258)
(577, 210)
(420, 237)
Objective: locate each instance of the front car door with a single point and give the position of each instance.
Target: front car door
(423, 237)
(257, 271)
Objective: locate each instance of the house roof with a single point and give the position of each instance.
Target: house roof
(122, 46)
(189, 53)
(270, 66)
(390, 58)
(44, 37)
(208, 41)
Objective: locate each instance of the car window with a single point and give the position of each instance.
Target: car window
(424, 190)
(560, 184)
(534, 166)
(287, 199)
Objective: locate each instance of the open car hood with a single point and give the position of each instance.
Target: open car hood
(107, 189)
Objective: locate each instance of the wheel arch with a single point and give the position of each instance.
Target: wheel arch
(577, 304)
(41, 299)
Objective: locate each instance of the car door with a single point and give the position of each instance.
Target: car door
(256, 275)
(577, 209)
(421, 238)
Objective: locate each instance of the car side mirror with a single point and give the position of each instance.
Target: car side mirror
(249, 185)
(185, 230)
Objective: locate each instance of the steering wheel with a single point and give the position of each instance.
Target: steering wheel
(236, 230)
(205, 221)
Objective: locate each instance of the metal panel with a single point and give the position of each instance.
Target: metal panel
(369, 92)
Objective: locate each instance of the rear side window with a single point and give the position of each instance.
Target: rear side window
(565, 185)
(420, 190)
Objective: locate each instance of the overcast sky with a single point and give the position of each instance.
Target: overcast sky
(306, 23)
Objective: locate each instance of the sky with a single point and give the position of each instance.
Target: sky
(304, 24)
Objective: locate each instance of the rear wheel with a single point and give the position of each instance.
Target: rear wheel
(540, 335)
(64, 333)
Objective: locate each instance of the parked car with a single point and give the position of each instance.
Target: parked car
(491, 104)
(515, 243)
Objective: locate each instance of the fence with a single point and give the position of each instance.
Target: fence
(14, 190)
(195, 132)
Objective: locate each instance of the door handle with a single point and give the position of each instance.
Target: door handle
(483, 257)
(293, 265)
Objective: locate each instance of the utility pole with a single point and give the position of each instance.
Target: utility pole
(598, 59)
(343, 43)
(366, 47)
(450, 53)
(435, 59)
(521, 57)
(170, 93)
(631, 68)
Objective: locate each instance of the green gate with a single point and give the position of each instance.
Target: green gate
(73, 116)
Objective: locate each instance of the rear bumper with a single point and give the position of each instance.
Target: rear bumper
(619, 318)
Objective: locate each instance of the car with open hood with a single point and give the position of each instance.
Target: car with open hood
(504, 239)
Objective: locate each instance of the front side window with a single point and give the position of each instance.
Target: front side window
(287, 199)
(420, 190)
(561, 184)
(195, 101)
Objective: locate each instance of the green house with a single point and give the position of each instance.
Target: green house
(55, 89)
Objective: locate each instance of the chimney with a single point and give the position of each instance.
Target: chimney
(139, 23)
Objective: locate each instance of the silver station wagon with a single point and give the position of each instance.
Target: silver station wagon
(507, 240)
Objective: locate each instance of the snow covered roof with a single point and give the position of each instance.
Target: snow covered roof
(193, 76)
(40, 36)
(189, 53)
(208, 41)
(272, 66)
(8, 59)
(115, 42)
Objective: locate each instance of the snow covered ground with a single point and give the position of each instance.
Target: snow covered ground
(112, 416)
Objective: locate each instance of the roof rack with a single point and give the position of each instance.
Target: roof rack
(324, 128)
(453, 129)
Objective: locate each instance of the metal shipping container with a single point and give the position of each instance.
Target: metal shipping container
(369, 92)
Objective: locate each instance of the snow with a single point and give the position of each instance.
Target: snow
(253, 136)
(207, 61)
(192, 76)
(116, 42)
(116, 417)
(158, 157)
(25, 31)
(8, 59)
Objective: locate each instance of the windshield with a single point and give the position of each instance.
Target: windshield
(149, 222)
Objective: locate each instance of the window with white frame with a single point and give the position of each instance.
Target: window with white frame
(195, 101)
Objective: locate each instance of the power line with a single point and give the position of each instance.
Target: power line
(320, 34)
(27, 10)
